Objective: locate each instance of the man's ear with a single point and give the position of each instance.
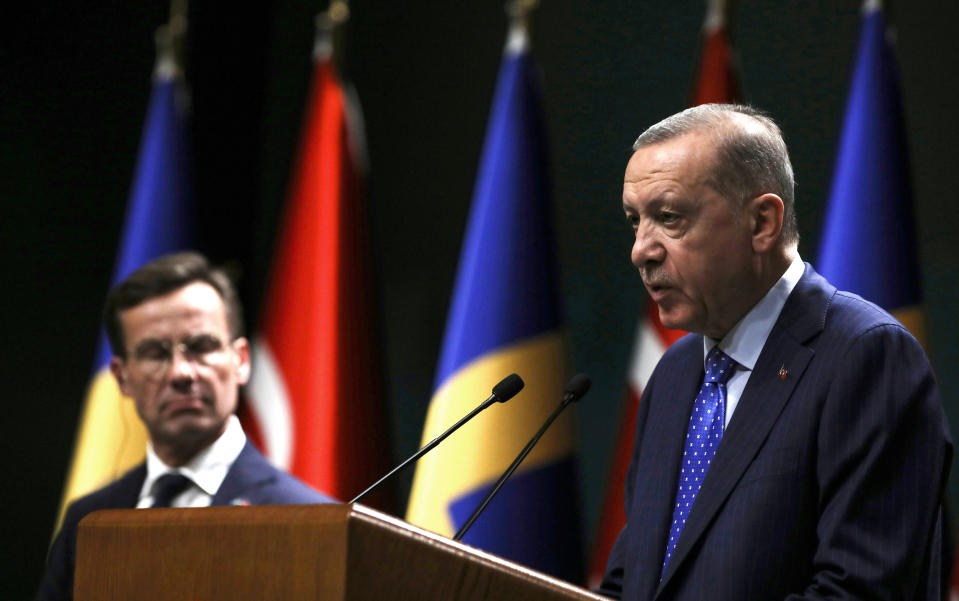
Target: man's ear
(241, 346)
(119, 371)
(766, 214)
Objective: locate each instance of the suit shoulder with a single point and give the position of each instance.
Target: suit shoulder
(690, 343)
(680, 353)
(290, 490)
(854, 316)
(115, 495)
(253, 479)
(860, 336)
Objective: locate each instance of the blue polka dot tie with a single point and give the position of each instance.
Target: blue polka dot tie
(702, 437)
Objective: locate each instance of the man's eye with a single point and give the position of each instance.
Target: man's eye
(152, 352)
(202, 345)
(632, 221)
(669, 217)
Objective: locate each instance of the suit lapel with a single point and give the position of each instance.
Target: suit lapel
(657, 473)
(127, 492)
(760, 405)
(248, 473)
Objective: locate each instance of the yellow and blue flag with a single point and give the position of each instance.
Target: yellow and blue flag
(160, 219)
(505, 318)
(869, 242)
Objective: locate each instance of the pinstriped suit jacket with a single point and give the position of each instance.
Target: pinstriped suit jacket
(827, 481)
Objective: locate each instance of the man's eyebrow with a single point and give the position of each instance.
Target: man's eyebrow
(651, 204)
(149, 343)
(196, 336)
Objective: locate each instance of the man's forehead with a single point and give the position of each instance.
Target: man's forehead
(694, 146)
(192, 308)
(668, 167)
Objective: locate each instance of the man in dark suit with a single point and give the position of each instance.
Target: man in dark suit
(794, 446)
(175, 327)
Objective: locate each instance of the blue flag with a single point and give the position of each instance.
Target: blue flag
(159, 219)
(505, 318)
(868, 245)
(160, 213)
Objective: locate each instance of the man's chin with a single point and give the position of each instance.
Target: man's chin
(190, 429)
(673, 318)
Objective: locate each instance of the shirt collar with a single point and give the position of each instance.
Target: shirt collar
(745, 341)
(208, 468)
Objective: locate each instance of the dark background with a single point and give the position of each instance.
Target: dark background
(76, 79)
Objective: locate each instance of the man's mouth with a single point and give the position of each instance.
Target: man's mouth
(184, 403)
(657, 290)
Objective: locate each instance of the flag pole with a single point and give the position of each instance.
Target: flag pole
(716, 12)
(171, 41)
(719, 16)
(336, 14)
(519, 12)
(520, 9)
(328, 31)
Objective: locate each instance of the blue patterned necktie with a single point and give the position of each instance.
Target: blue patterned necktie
(702, 437)
(167, 487)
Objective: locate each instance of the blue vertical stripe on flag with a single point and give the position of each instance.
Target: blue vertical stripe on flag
(506, 289)
(505, 317)
(869, 245)
(160, 212)
(159, 219)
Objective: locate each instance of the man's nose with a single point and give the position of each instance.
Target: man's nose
(182, 364)
(647, 248)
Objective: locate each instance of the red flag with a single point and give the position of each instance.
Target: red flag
(716, 82)
(314, 403)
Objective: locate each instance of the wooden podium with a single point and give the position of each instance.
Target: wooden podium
(290, 553)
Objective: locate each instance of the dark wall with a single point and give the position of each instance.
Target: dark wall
(76, 83)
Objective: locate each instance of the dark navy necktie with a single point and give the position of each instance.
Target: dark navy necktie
(702, 437)
(167, 487)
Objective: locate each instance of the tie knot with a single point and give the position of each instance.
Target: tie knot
(719, 366)
(167, 487)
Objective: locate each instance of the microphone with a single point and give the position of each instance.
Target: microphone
(502, 392)
(576, 389)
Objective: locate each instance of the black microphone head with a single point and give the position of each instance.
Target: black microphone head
(577, 387)
(508, 387)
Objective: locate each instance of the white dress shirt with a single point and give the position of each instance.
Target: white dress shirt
(745, 341)
(207, 470)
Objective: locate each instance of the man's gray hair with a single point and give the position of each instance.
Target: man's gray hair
(751, 155)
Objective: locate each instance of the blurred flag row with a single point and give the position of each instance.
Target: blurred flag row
(315, 402)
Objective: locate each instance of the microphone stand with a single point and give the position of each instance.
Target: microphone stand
(502, 392)
(512, 468)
